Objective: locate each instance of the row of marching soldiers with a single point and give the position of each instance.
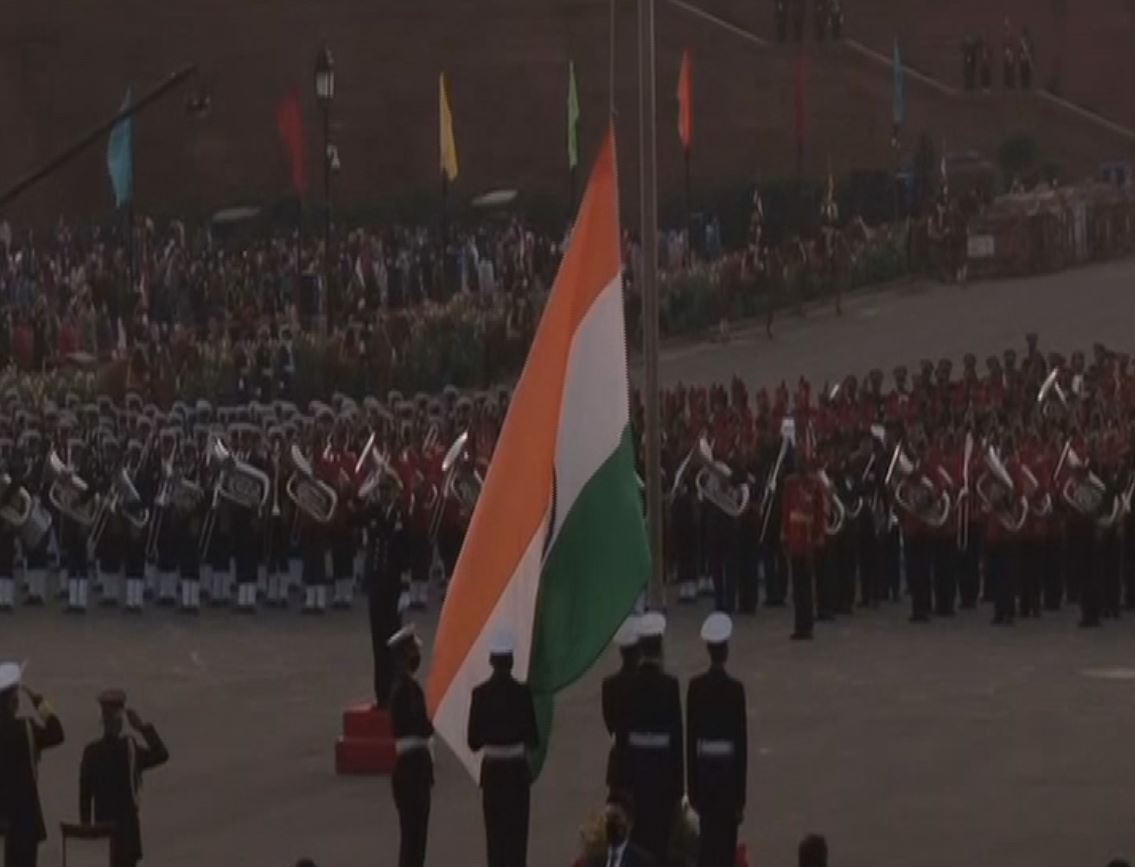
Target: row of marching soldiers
(237, 504)
(1013, 487)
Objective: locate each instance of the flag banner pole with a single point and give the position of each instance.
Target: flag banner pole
(648, 192)
(444, 198)
(96, 134)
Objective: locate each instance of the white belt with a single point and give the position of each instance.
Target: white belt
(408, 745)
(509, 751)
(715, 749)
(649, 740)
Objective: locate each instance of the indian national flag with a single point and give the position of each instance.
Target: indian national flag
(556, 550)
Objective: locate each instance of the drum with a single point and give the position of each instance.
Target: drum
(34, 530)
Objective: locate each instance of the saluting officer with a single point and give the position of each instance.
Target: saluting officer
(386, 595)
(654, 742)
(616, 697)
(22, 741)
(502, 727)
(716, 748)
(413, 776)
(110, 776)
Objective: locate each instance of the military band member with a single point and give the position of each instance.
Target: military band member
(189, 512)
(655, 758)
(110, 776)
(382, 580)
(502, 727)
(277, 524)
(167, 534)
(802, 535)
(616, 693)
(22, 742)
(75, 535)
(413, 776)
(717, 748)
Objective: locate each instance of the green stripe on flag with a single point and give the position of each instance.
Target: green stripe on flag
(593, 575)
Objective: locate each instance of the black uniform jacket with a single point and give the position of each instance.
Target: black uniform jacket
(110, 782)
(21, 742)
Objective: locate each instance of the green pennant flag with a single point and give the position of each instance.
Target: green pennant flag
(572, 118)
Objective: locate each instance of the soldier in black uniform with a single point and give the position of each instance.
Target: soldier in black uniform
(615, 695)
(654, 743)
(22, 741)
(386, 594)
(502, 726)
(413, 768)
(110, 776)
(717, 748)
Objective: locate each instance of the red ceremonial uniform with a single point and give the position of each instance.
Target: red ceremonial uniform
(804, 517)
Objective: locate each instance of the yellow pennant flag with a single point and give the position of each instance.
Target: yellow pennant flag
(448, 144)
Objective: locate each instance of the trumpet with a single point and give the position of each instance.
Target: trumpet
(315, 498)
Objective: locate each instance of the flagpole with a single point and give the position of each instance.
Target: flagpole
(648, 200)
(444, 199)
(689, 210)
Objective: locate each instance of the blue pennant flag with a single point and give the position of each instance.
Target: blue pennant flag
(120, 155)
(900, 91)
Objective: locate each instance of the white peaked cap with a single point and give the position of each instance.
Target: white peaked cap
(628, 633)
(11, 673)
(652, 625)
(502, 643)
(717, 629)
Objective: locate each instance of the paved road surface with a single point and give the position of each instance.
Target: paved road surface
(1071, 310)
(942, 745)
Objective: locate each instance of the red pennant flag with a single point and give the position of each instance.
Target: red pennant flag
(686, 102)
(289, 120)
(801, 103)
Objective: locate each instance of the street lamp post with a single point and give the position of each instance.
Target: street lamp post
(325, 94)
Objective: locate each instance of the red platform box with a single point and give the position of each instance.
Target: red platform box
(367, 743)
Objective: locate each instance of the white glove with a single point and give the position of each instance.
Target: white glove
(403, 602)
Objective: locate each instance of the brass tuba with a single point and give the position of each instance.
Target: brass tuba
(1085, 492)
(380, 469)
(462, 480)
(1051, 397)
(999, 495)
(715, 485)
(238, 481)
(312, 496)
(24, 514)
(836, 511)
(915, 493)
(69, 493)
